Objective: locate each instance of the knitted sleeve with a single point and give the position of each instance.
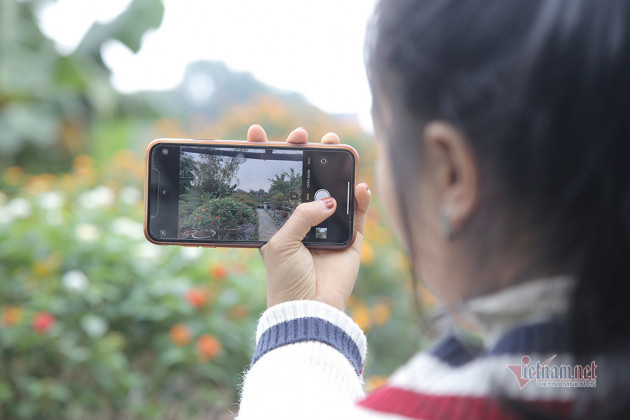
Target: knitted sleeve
(308, 363)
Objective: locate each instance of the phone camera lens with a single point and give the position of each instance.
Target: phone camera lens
(323, 161)
(165, 151)
(162, 232)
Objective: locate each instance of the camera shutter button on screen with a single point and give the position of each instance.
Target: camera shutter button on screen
(321, 194)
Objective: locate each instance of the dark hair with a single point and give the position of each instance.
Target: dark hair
(541, 90)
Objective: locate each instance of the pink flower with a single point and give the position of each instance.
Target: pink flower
(43, 322)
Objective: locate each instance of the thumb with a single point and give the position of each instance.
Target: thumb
(305, 216)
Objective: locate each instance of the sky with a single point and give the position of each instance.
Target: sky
(255, 174)
(312, 47)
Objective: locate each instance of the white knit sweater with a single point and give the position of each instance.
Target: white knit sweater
(310, 356)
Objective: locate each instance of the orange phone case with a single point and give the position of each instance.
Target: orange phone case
(237, 143)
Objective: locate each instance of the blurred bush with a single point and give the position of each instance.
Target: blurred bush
(52, 105)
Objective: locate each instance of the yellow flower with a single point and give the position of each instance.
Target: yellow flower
(46, 266)
(13, 175)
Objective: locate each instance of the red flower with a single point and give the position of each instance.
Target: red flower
(43, 322)
(218, 271)
(197, 297)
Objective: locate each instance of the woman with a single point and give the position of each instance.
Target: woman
(504, 128)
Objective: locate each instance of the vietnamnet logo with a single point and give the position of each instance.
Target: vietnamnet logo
(547, 375)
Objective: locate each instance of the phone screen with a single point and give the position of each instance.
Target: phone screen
(244, 194)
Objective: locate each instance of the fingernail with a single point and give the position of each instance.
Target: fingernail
(328, 202)
(366, 186)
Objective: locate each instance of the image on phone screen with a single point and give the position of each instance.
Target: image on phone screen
(237, 194)
(245, 194)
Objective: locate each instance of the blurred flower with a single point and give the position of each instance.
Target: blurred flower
(13, 175)
(83, 167)
(87, 232)
(380, 313)
(367, 254)
(18, 208)
(43, 322)
(148, 252)
(180, 334)
(51, 200)
(75, 281)
(94, 325)
(218, 271)
(124, 226)
(239, 311)
(361, 315)
(11, 315)
(45, 266)
(98, 197)
(40, 183)
(129, 195)
(197, 297)
(208, 347)
(372, 383)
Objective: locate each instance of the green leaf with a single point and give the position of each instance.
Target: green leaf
(127, 28)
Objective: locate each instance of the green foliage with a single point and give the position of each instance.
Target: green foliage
(278, 200)
(95, 319)
(48, 101)
(213, 174)
(288, 185)
(222, 213)
(248, 199)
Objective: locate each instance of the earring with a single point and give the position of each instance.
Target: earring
(445, 226)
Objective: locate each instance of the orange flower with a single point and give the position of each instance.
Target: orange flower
(367, 254)
(380, 314)
(218, 271)
(361, 315)
(13, 175)
(43, 322)
(180, 334)
(374, 382)
(239, 311)
(197, 297)
(11, 315)
(208, 347)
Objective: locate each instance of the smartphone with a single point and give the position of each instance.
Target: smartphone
(238, 194)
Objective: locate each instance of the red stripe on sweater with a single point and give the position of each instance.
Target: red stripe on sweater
(416, 405)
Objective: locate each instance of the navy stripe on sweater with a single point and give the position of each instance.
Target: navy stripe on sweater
(550, 336)
(309, 329)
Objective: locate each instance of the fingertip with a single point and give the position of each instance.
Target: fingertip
(329, 203)
(256, 133)
(331, 138)
(363, 195)
(298, 136)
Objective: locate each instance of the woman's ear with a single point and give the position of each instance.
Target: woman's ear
(456, 173)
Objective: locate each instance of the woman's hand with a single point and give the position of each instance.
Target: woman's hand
(293, 271)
